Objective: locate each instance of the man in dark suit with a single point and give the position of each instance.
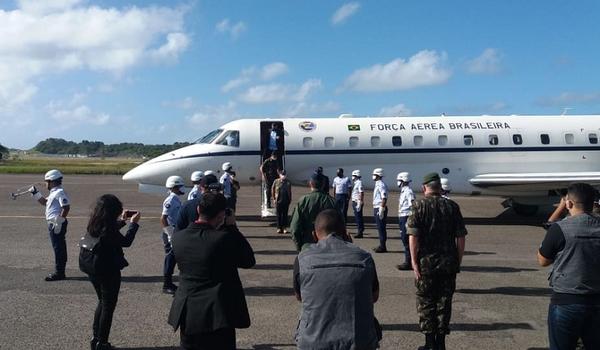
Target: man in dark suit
(210, 302)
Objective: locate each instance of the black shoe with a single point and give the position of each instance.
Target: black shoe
(404, 267)
(358, 235)
(55, 277)
(169, 288)
(440, 342)
(380, 249)
(93, 343)
(105, 346)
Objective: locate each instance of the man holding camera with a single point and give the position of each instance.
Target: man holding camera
(57, 208)
(210, 302)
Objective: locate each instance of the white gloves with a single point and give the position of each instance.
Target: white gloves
(168, 230)
(35, 193)
(381, 212)
(358, 205)
(57, 224)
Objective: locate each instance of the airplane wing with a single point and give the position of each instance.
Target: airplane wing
(534, 181)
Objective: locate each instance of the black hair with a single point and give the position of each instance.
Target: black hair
(330, 221)
(583, 194)
(211, 204)
(104, 216)
(208, 179)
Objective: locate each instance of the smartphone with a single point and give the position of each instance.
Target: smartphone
(130, 213)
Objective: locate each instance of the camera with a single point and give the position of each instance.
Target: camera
(130, 213)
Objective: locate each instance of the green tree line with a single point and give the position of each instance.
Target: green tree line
(3, 152)
(99, 149)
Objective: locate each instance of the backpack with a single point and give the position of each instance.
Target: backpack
(89, 257)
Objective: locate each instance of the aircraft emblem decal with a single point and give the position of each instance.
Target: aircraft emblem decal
(354, 127)
(307, 126)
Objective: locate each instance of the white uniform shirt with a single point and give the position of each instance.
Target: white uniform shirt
(407, 196)
(341, 185)
(171, 207)
(379, 193)
(56, 200)
(227, 183)
(357, 189)
(193, 193)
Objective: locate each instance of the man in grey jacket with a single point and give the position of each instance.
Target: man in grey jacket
(337, 284)
(572, 246)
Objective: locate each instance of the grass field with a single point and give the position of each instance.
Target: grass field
(39, 165)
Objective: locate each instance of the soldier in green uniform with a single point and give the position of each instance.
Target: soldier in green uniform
(437, 242)
(306, 211)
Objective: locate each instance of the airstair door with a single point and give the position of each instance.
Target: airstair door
(272, 141)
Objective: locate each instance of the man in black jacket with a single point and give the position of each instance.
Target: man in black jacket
(210, 301)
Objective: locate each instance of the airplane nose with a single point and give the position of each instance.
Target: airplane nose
(133, 175)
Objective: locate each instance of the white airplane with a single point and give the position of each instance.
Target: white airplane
(523, 158)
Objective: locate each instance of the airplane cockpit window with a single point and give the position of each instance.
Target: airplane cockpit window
(329, 142)
(569, 139)
(375, 141)
(545, 139)
(210, 137)
(593, 139)
(493, 140)
(442, 140)
(229, 138)
(468, 140)
(418, 140)
(517, 139)
(396, 141)
(353, 141)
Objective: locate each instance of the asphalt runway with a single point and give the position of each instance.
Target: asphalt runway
(501, 300)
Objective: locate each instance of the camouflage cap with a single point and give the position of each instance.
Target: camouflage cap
(431, 177)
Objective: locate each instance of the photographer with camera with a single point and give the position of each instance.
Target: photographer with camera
(106, 219)
(210, 302)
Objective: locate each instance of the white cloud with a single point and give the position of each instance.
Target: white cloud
(566, 99)
(397, 110)
(344, 12)
(487, 63)
(186, 103)
(423, 69)
(211, 115)
(232, 29)
(273, 70)
(81, 114)
(244, 78)
(304, 108)
(269, 93)
(52, 37)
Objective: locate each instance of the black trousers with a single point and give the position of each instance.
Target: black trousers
(107, 289)
(222, 339)
(282, 214)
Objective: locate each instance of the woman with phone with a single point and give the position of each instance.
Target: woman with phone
(107, 218)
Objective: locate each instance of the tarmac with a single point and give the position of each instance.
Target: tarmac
(501, 300)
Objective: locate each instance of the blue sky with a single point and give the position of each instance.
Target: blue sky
(166, 71)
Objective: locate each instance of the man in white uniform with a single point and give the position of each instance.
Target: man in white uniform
(168, 219)
(407, 196)
(227, 181)
(341, 190)
(380, 210)
(358, 196)
(196, 180)
(446, 189)
(57, 208)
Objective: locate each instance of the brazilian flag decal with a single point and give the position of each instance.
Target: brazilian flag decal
(354, 127)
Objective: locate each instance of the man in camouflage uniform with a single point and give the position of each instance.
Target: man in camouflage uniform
(306, 211)
(437, 242)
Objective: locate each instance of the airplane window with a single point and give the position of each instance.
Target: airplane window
(229, 138)
(210, 137)
(418, 140)
(307, 142)
(397, 141)
(375, 141)
(353, 141)
(569, 139)
(442, 140)
(468, 140)
(593, 139)
(493, 140)
(329, 142)
(545, 138)
(517, 139)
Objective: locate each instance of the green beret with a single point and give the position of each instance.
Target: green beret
(431, 177)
